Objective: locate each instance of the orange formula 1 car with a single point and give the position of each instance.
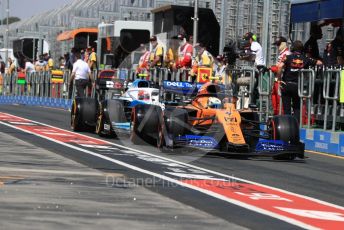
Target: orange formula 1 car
(210, 122)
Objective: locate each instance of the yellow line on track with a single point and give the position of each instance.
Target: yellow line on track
(325, 154)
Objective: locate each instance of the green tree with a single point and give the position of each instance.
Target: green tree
(10, 20)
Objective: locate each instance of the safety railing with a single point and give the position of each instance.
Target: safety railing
(331, 77)
(244, 81)
(323, 112)
(306, 91)
(265, 84)
(40, 84)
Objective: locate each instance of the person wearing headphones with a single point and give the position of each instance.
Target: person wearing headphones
(254, 53)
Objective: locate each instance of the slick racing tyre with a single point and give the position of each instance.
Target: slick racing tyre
(160, 142)
(83, 114)
(75, 119)
(285, 128)
(110, 111)
(100, 124)
(176, 121)
(144, 123)
(102, 119)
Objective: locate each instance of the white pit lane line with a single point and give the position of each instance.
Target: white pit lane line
(166, 178)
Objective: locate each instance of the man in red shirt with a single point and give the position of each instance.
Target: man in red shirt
(143, 65)
(185, 52)
(283, 50)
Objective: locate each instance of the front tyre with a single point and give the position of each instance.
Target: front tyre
(285, 128)
(145, 123)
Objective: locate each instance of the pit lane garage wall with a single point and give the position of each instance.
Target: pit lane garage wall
(322, 119)
(322, 140)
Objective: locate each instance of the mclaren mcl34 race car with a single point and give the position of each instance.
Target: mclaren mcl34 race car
(109, 113)
(210, 122)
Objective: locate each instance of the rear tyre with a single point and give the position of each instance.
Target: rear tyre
(100, 125)
(144, 123)
(135, 134)
(176, 121)
(285, 128)
(76, 119)
(161, 144)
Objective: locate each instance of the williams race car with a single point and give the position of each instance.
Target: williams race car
(210, 122)
(110, 112)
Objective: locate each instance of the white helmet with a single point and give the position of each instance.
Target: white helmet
(214, 102)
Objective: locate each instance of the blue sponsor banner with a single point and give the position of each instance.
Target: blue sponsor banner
(180, 87)
(37, 101)
(323, 141)
(341, 145)
(322, 136)
(302, 134)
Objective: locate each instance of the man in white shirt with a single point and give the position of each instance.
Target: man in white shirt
(82, 74)
(29, 67)
(255, 53)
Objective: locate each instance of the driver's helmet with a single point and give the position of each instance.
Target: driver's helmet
(214, 102)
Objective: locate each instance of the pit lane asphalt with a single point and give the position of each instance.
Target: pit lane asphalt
(318, 176)
(43, 190)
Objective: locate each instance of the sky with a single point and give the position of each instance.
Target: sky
(26, 8)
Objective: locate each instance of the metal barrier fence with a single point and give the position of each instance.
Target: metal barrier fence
(331, 76)
(306, 92)
(40, 84)
(322, 112)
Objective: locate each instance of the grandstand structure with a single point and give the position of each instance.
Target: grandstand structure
(86, 13)
(240, 16)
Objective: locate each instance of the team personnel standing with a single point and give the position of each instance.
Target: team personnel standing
(185, 52)
(337, 46)
(11, 66)
(254, 53)
(170, 57)
(29, 67)
(40, 64)
(49, 61)
(92, 60)
(203, 58)
(220, 70)
(82, 74)
(157, 53)
(292, 64)
(284, 51)
(311, 48)
(143, 65)
(71, 59)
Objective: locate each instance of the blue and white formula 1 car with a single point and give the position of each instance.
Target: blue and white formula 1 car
(114, 116)
(110, 113)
